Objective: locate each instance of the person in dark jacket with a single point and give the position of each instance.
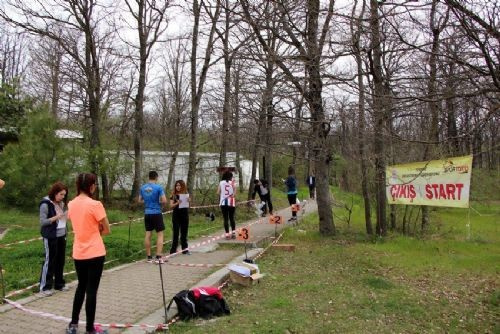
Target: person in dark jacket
(53, 230)
(261, 187)
(291, 190)
(311, 183)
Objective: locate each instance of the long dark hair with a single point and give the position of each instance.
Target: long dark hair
(227, 176)
(183, 187)
(83, 183)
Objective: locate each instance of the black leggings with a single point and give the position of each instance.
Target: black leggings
(267, 199)
(89, 275)
(292, 199)
(228, 214)
(180, 223)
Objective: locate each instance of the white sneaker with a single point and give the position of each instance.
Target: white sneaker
(47, 293)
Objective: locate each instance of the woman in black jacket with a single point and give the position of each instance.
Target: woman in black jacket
(53, 230)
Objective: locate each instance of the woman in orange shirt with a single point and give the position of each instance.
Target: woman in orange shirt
(89, 222)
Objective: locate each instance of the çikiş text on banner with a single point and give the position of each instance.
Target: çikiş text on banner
(435, 183)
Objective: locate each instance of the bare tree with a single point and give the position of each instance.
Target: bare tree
(47, 65)
(150, 19)
(197, 83)
(12, 55)
(380, 117)
(356, 32)
(174, 102)
(76, 26)
(436, 26)
(308, 44)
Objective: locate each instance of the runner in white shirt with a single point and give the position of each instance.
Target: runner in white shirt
(227, 202)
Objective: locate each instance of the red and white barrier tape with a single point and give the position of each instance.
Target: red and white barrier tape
(212, 239)
(196, 265)
(21, 242)
(113, 224)
(68, 320)
(203, 243)
(129, 325)
(17, 292)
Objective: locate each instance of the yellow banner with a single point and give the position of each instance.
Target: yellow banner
(435, 183)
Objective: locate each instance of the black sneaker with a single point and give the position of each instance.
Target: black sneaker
(160, 259)
(72, 329)
(150, 259)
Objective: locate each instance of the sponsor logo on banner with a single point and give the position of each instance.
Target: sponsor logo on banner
(434, 183)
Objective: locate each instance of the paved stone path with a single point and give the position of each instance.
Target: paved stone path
(129, 293)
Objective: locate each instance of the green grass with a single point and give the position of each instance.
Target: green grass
(442, 280)
(22, 262)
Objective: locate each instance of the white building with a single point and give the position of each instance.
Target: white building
(206, 168)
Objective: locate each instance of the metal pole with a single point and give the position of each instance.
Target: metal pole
(163, 292)
(246, 256)
(2, 281)
(129, 226)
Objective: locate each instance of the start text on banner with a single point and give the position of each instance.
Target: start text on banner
(435, 183)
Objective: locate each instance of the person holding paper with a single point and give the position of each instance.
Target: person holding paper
(179, 202)
(53, 231)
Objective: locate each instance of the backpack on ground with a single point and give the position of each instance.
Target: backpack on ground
(209, 302)
(205, 302)
(186, 306)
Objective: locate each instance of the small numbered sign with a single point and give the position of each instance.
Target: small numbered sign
(243, 234)
(276, 220)
(295, 208)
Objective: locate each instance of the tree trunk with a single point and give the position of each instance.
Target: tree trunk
(255, 152)
(236, 124)
(267, 104)
(361, 119)
(380, 119)
(55, 73)
(197, 88)
(321, 127)
(226, 112)
(432, 95)
(171, 168)
(138, 128)
(93, 87)
(451, 118)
